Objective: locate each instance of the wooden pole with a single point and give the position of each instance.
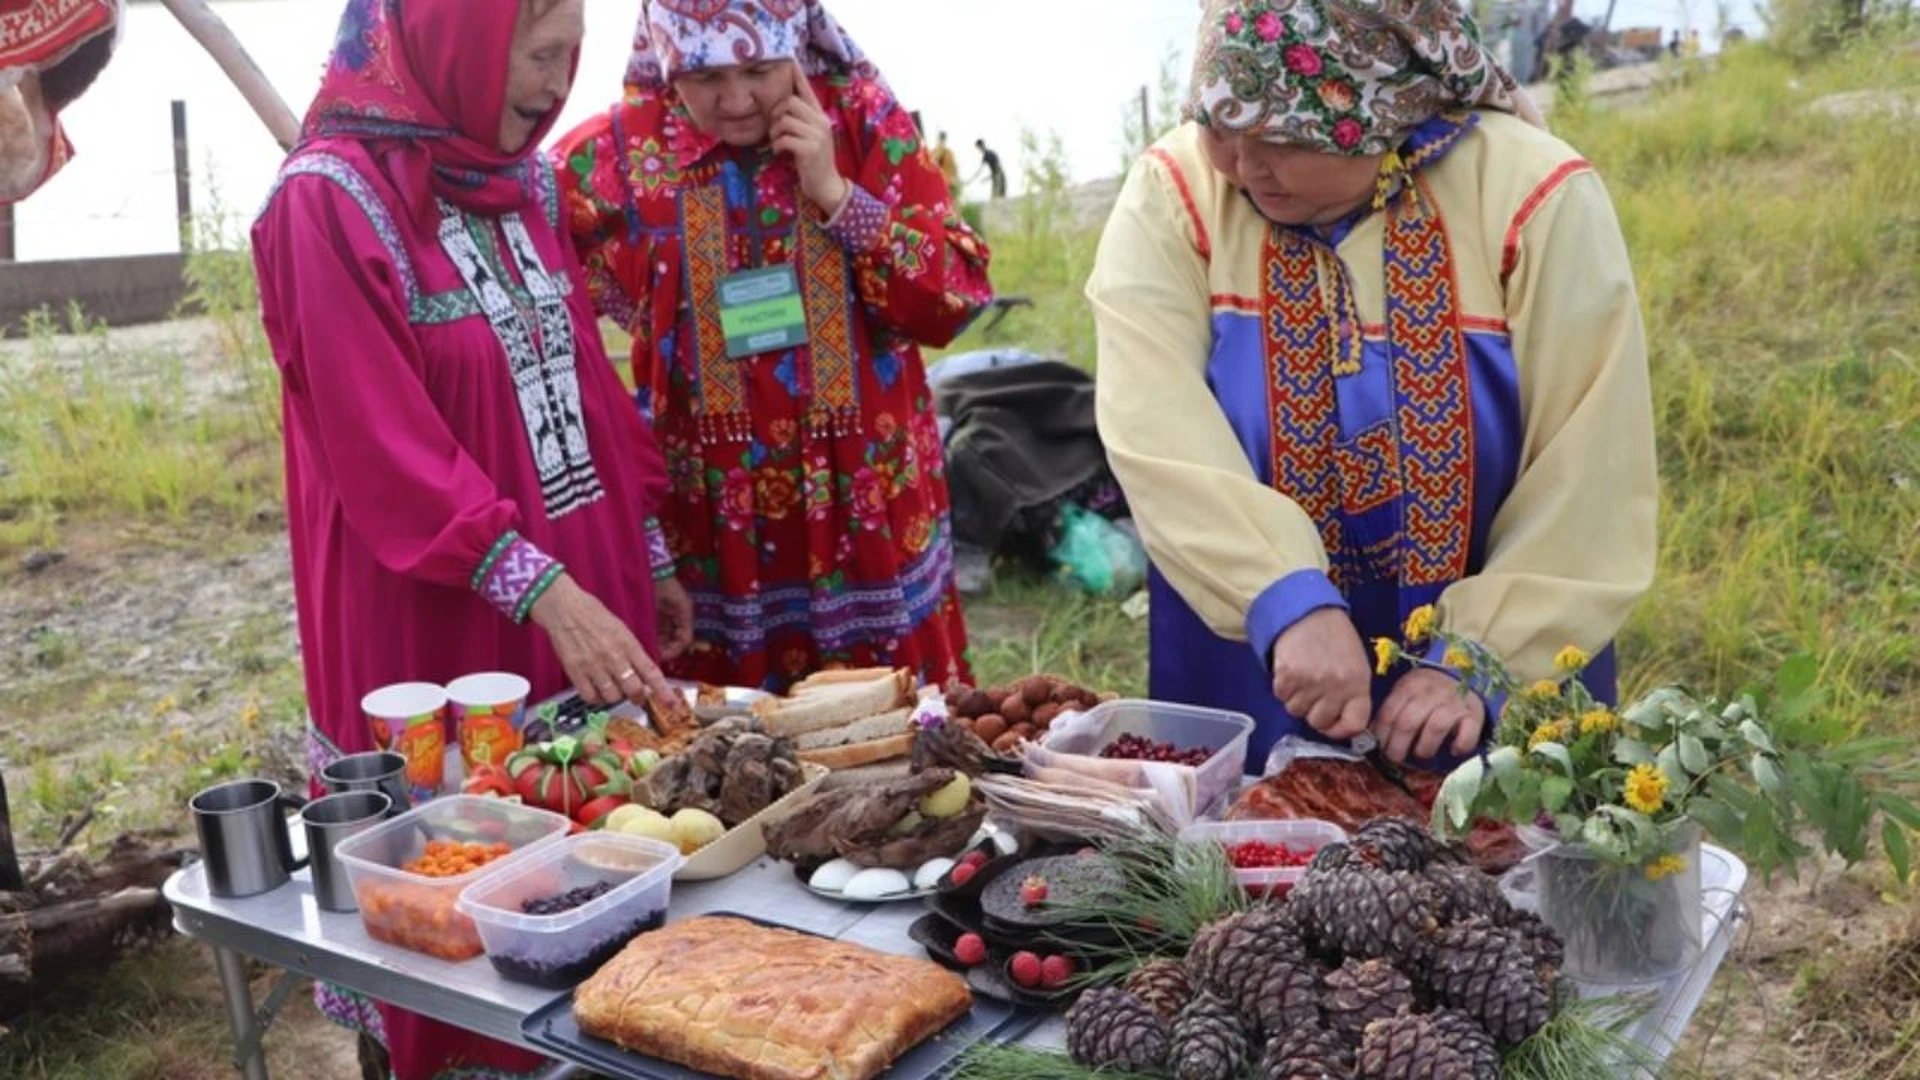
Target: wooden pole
(182, 177)
(7, 253)
(1146, 119)
(214, 36)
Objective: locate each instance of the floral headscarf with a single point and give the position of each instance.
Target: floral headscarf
(678, 36)
(1349, 77)
(425, 82)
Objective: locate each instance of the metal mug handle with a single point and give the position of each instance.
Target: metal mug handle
(287, 800)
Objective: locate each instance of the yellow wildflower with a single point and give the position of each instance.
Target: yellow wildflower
(1597, 720)
(1457, 659)
(1384, 652)
(1552, 731)
(1544, 690)
(1665, 866)
(1570, 659)
(1420, 624)
(1646, 789)
(165, 705)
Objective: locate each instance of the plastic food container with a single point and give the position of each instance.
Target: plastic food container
(1186, 727)
(1302, 834)
(560, 949)
(418, 912)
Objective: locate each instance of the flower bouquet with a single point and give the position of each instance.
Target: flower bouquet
(1617, 801)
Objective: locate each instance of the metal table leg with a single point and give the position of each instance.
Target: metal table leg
(249, 1058)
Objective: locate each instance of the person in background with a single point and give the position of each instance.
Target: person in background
(759, 153)
(467, 479)
(1371, 363)
(948, 164)
(50, 53)
(1691, 50)
(990, 164)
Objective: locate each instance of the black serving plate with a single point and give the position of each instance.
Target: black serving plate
(992, 1019)
(989, 978)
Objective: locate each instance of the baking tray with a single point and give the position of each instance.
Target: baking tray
(552, 1028)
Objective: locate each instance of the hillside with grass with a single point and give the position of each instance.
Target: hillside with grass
(147, 647)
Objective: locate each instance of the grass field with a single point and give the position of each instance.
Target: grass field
(1778, 253)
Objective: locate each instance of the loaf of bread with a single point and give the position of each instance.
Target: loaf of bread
(836, 704)
(740, 1000)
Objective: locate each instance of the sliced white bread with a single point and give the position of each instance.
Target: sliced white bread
(886, 725)
(839, 676)
(855, 755)
(866, 774)
(836, 706)
(863, 742)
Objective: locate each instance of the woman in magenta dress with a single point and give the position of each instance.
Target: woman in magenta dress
(810, 508)
(467, 482)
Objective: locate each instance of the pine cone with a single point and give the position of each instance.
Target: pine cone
(1112, 1029)
(1229, 952)
(1490, 974)
(1545, 945)
(1163, 984)
(1467, 893)
(1470, 1041)
(1307, 1053)
(1361, 992)
(1410, 1047)
(1208, 1042)
(1400, 844)
(1364, 911)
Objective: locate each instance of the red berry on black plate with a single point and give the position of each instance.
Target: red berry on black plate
(962, 873)
(1025, 969)
(970, 949)
(975, 858)
(1056, 971)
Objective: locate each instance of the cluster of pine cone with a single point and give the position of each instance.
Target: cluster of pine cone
(1393, 959)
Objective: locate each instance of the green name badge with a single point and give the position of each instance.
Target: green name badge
(760, 311)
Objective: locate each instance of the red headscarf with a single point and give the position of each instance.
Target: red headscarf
(424, 83)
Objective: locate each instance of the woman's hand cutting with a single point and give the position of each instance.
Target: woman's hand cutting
(1320, 674)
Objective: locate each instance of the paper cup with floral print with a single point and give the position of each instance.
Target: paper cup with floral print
(488, 710)
(411, 720)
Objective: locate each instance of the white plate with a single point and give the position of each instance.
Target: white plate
(911, 894)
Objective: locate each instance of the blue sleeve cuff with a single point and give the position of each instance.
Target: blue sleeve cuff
(1436, 656)
(1286, 602)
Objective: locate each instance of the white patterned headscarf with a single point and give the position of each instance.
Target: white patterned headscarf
(679, 36)
(1349, 77)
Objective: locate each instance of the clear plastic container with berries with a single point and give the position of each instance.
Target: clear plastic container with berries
(1268, 856)
(1131, 738)
(555, 917)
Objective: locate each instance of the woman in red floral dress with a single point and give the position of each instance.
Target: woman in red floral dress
(757, 148)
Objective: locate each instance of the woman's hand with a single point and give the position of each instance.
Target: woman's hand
(1320, 674)
(801, 129)
(1424, 708)
(601, 656)
(673, 610)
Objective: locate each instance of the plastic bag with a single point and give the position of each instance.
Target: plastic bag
(1097, 556)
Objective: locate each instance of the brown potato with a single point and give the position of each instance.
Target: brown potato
(966, 723)
(990, 727)
(1006, 742)
(1037, 691)
(1015, 709)
(1066, 694)
(976, 703)
(1025, 731)
(1043, 716)
(998, 693)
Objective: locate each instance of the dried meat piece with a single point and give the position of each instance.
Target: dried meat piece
(1346, 793)
(1494, 847)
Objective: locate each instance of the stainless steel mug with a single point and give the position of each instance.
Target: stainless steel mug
(377, 770)
(244, 836)
(329, 820)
